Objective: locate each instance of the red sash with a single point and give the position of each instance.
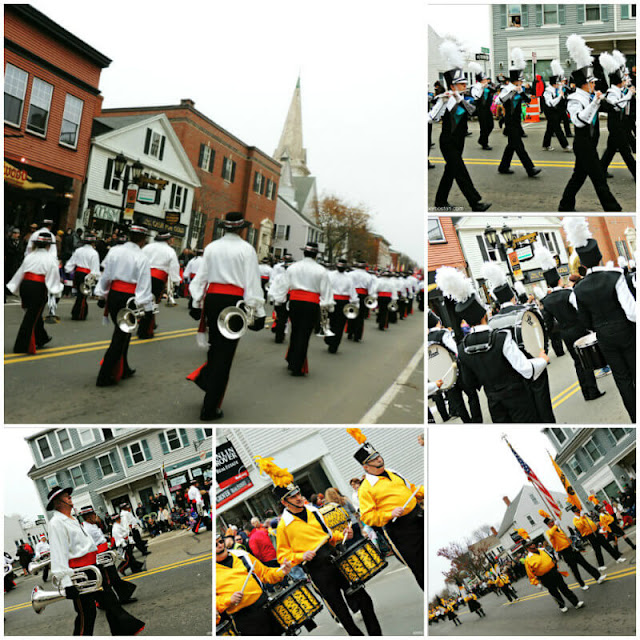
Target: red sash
(305, 296)
(36, 277)
(337, 297)
(103, 546)
(123, 287)
(264, 277)
(362, 292)
(83, 270)
(84, 561)
(159, 274)
(228, 289)
(384, 294)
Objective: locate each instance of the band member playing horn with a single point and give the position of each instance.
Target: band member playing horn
(384, 291)
(129, 520)
(84, 261)
(164, 268)
(344, 293)
(240, 593)
(363, 282)
(590, 531)
(42, 548)
(120, 533)
(303, 538)
(280, 305)
(309, 288)
(229, 274)
(390, 502)
(37, 277)
(126, 274)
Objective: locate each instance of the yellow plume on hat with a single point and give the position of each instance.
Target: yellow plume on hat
(280, 477)
(523, 533)
(544, 514)
(355, 433)
(593, 499)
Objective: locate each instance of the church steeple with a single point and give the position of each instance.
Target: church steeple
(291, 137)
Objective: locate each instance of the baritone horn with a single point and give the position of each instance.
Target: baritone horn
(80, 579)
(351, 311)
(90, 281)
(393, 306)
(37, 565)
(234, 321)
(128, 317)
(371, 303)
(325, 329)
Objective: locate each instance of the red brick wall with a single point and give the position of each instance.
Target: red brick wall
(607, 230)
(448, 253)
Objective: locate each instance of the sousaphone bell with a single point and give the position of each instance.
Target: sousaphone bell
(90, 281)
(393, 306)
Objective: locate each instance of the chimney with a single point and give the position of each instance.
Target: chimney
(493, 530)
(187, 102)
(506, 500)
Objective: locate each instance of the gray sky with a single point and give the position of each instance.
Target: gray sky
(470, 469)
(470, 23)
(20, 495)
(362, 67)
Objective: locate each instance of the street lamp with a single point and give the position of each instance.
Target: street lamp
(491, 236)
(120, 165)
(136, 171)
(507, 233)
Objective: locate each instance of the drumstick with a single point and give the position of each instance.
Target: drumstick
(247, 579)
(346, 531)
(328, 537)
(407, 502)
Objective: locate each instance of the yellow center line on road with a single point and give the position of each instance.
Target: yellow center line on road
(575, 384)
(168, 567)
(541, 163)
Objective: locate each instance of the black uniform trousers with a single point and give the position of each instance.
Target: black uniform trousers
(587, 166)
(541, 395)
(121, 623)
(114, 364)
(599, 542)
(123, 589)
(139, 542)
(586, 377)
(406, 535)
(616, 530)
(85, 607)
(511, 404)
(130, 562)
(383, 312)
(282, 317)
(337, 323)
(574, 558)
(485, 118)
(80, 308)
(618, 142)
(554, 128)
(506, 589)
(147, 325)
(457, 406)
(355, 327)
(333, 586)
(455, 169)
(31, 333)
(558, 587)
(303, 317)
(256, 620)
(556, 343)
(515, 145)
(619, 349)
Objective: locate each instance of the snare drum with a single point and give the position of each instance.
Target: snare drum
(525, 326)
(360, 563)
(294, 606)
(335, 516)
(589, 353)
(442, 365)
(226, 628)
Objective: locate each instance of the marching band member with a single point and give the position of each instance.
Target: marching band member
(482, 93)
(164, 264)
(229, 273)
(266, 272)
(280, 305)
(384, 291)
(553, 105)
(195, 497)
(542, 570)
(44, 230)
(309, 289)
(583, 111)
(37, 276)
(389, 501)
(241, 598)
(608, 524)
(42, 547)
(589, 530)
(126, 274)
(84, 261)
(343, 292)
(129, 520)
(413, 289)
(120, 533)
(606, 305)
(303, 538)
(9, 582)
(191, 270)
(363, 282)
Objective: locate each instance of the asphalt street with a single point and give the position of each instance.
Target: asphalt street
(174, 594)
(569, 407)
(398, 602)
(378, 377)
(518, 192)
(609, 608)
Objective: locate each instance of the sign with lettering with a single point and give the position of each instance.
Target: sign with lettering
(515, 265)
(482, 56)
(157, 224)
(129, 209)
(146, 196)
(14, 176)
(172, 217)
(103, 212)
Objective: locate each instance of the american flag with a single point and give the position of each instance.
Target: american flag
(533, 478)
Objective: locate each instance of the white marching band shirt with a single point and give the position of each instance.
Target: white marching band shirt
(129, 520)
(623, 293)
(194, 495)
(362, 279)
(95, 532)
(304, 275)
(42, 263)
(343, 286)
(192, 268)
(51, 249)
(42, 547)
(120, 533)
(618, 98)
(85, 257)
(385, 285)
(68, 540)
(230, 260)
(128, 263)
(582, 109)
(266, 271)
(162, 256)
(552, 96)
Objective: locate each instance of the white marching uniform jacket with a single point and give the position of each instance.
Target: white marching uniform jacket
(68, 540)
(230, 260)
(277, 287)
(342, 285)
(582, 109)
(128, 519)
(192, 268)
(127, 262)
(552, 96)
(51, 249)
(618, 98)
(42, 547)
(85, 257)
(95, 532)
(162, 256)
(385, 285)
(304, 275)
(40, 262)
(362, 279)
(120, 533)
(194, 495)
(266, 271)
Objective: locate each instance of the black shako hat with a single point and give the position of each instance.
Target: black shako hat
(284, 492)
(589, 255)
(433, 319)
(551, 277)
(583, 76)
(365, 453)
(454, 76)
(235, 220)
(503, 293)
(54, 493)
(471, 310)
(311, 247)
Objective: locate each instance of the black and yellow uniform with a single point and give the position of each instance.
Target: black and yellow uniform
(305, 531)
(249, 616)
(378, 497)
(561, 543)
(453, 616)
(541, 568)
(588, 529)
(608, 524)
(474, 605)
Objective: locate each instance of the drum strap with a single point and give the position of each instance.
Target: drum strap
(322, 523)
(247, 565)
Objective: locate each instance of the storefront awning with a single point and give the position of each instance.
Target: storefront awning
(21, 179)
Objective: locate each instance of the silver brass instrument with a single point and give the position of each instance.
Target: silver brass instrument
(393, 306)
(351, 311)
(325, 329)
(37, 565)
(8, 568)
(128, 317)
(371, 303)
(107, 558)
(90, 281)
(234, 321)
(80, 579)
(171, 301)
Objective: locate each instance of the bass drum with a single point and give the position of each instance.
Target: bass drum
(442, 365)
(525, 326)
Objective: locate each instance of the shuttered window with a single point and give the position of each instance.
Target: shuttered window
(38, 118)
(15, 87)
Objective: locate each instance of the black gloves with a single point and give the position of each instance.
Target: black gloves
(102, 303)
(70, 593)
(258, 324)
(195, 313)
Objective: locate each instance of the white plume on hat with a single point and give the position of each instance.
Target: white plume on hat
(556, 68)
(539, 292)
(609, 265)
(619, 57)
(609, 63)
(545, 259)
(452, 54)
(622, 262)
(578, 51)
(519, 287)
(518, 58)
(475, 68)
(454, 284)
(492, 272)
(577, 230)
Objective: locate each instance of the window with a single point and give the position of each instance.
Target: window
(64, 440)
(270, 189)
(15, 87)
(105, 465)
(38, 117)
(228, 170)
(282, 231)
(633, 10)
(515, 16)
(51, 482)
(207, 155)
(530, 519)
(436, 234)
(257, 182)
(86, 436)
(534, 499)
(592, 12)
(114, 181)
(177, 198)
(488, 253)
(618, 433)
(45, 449)
(71, 121)
(173, 439)
(574, 465)
(550, 13)
(559, 434)
(77, 477)
(136, 452)
(593, 450)
(154, 149)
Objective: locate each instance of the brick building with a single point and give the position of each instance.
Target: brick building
(234, 176)
(51, 96)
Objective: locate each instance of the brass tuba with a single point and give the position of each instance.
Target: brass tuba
(80, 579)
(234, 321)
(371, 303)
(350, 311)
(90, 281)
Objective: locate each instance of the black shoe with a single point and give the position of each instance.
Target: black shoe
(480, 206)
(279, 341)
(596, 397)
(487, 147)
(534, 172)
(129, 373)
(506, 172)
(108, 382)
(609, 175)
(333, 349)
(129, 601)
(44, 342)
(297, 374)
(431, 165)
(207, 416)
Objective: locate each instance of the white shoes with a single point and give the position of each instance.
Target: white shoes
(580, 605)
(602, 568)
(621, 559)
(585, 587)
(547, 148)
(564, 609)
(601, 579)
